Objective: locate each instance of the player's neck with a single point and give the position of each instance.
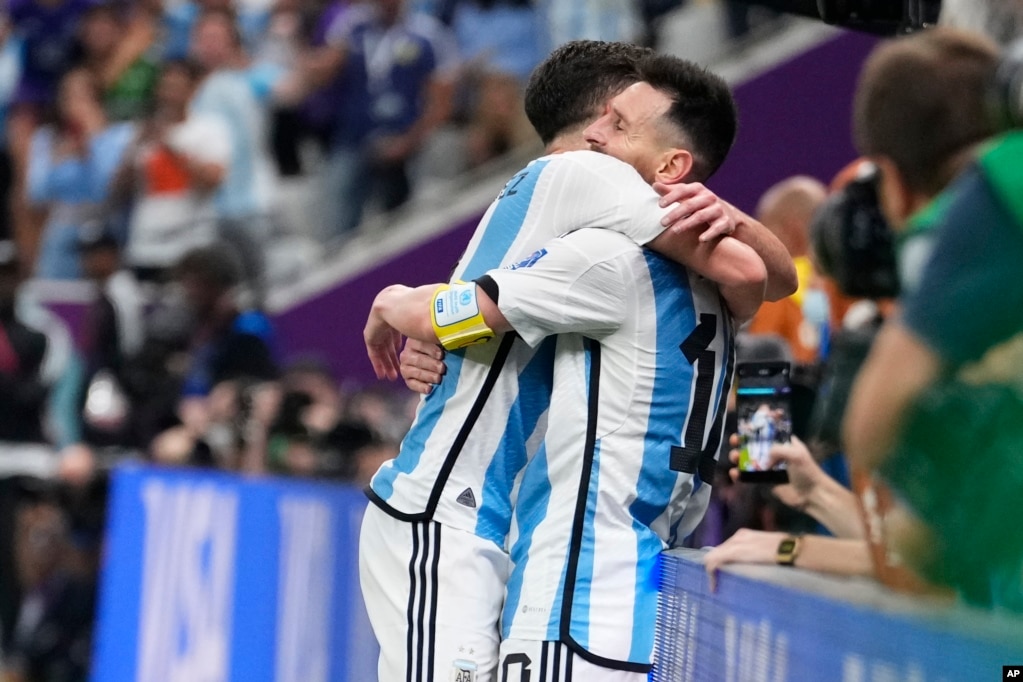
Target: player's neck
(567, 142)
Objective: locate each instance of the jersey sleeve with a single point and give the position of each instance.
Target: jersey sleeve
(971, 286)
(575, 283)
(589, 189)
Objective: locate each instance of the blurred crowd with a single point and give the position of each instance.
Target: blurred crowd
(178, 122)
(146, 143)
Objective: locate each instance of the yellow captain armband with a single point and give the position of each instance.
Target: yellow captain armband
(456, 316)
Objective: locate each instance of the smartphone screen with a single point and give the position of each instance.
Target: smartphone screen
(764, 418)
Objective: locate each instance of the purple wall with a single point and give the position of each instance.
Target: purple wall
(794, 119)
(329, 326)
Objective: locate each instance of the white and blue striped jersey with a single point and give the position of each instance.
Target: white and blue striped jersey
(643, 364)
(471, 436)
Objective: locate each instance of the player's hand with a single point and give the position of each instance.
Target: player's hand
(746, 546)
(422, 365)
(382, 345)
(697, 208)
(805, 475)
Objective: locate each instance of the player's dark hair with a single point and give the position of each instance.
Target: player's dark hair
(575, 81)
(921, 102)
(702, 113)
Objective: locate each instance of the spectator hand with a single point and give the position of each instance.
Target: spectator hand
(804, 473)
(697, 209)
(422, 365)
(746, 546)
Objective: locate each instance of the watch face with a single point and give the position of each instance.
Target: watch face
(787, 546)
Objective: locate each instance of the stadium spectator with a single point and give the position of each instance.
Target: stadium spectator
(957, 314)
(810, 491)
(10, 66)
(115, 47)
(113, 335)
(229, 340)
(70, 171)
(178, 160)
(500, 42)
(397, 73)
(239, 93)
(180, 19)
(23, 390)
(46, 30)
(801, 319)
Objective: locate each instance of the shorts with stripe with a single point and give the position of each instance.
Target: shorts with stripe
(530, 661)
(434, 596)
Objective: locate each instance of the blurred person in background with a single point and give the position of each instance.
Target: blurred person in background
(113, 335)
(810, 491)
(115, 47)
(47, 31)
(178, 160)
(240, 93)
(23, 389)
(51, 637)
(958, 316)
(397, 75)
(180, 18)
(500, 42)
(229, 340)
(70, 171)
(569, 20)
(10, 68)
(801, 319)
(314, 414)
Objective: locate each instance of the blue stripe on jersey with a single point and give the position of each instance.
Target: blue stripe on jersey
(530, 510)
(534, 397)
(584, 564)
(676, 317)
(669, 404)
(644, 607)
(415, 440)
(505, 222)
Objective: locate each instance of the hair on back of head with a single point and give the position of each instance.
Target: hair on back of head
(575, 81)
(216, 264)
(921, 102)
(702, 109)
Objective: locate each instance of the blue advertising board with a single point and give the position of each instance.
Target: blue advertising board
(212, 577)
(772, 624)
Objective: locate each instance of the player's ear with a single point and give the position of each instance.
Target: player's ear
(674, 167)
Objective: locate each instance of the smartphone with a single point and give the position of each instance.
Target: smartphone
(764, 414)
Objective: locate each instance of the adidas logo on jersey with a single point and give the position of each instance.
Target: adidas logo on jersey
(466, 498)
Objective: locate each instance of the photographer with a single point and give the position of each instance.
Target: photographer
(963, 307)
(938, 77)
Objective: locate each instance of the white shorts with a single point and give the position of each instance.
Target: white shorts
(529, 661)
(434, 596)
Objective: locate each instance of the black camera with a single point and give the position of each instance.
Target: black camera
(881, 17)
(853, 243)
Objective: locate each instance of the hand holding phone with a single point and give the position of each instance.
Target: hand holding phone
(764, 418)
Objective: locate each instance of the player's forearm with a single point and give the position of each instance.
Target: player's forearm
(407, 310)
(781, 273)
(741, 277)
